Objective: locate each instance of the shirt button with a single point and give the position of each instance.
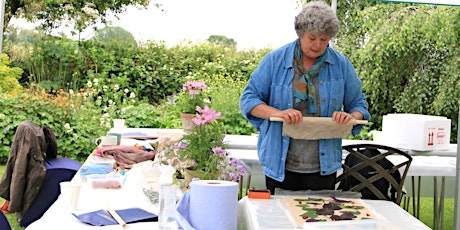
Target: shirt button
(320, 82)
(322, 154)
(323, 99)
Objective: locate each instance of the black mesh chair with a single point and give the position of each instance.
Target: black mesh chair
(377, 171)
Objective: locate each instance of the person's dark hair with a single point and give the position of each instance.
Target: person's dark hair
(317, 17)
(51, 143)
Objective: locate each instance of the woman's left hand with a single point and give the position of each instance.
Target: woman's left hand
(341, 117)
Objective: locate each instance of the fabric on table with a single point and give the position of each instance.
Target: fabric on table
(314, 128)
(125, 156)
(103, 217)
(183, 212)
(91, 169)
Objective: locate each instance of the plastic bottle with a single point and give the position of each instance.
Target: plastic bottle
(166, 217)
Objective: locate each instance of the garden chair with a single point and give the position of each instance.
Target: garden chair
(57, 170)
(4, 224)
(377, 171)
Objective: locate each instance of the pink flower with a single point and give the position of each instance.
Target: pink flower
(207, 115)
(194, 85)
(193, 92)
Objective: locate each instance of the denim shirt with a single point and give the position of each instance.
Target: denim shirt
(271, 84)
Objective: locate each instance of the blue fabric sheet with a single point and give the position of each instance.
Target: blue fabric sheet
(103, 217)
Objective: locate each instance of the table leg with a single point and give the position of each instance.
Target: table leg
(435, 203)
(443, 190)
(414, 212)
(248, 183)
(440, 208)
(240, 194)
(416, 197)
(438, 218)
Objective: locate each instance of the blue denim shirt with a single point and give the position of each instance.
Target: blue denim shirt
(271, 84)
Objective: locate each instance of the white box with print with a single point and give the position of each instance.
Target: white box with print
(416, 131)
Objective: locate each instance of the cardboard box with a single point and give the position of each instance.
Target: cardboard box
(416, 131)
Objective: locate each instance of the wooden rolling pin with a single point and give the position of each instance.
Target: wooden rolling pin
(355, 122)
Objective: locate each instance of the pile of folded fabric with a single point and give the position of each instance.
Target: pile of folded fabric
(125, 156)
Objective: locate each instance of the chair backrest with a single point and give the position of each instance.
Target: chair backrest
(377, 171)
(57, 170)
(4, 224)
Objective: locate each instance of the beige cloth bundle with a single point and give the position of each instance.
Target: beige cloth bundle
(314, 128)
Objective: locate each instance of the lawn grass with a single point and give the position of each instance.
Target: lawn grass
(426, 211)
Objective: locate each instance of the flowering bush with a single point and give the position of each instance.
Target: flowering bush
(202, 150)
(194, 93)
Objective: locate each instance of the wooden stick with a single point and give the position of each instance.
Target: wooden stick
(356, 122)
(139, 137)
(115, 215)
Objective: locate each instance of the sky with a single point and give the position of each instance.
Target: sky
(251, 23)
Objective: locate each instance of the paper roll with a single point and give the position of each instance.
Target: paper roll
(213, 204)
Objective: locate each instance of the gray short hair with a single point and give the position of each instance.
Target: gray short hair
(317, 17)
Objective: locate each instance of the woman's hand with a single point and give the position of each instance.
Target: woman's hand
(291, 116)
(341, 117)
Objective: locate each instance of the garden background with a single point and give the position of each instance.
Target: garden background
(407, 56)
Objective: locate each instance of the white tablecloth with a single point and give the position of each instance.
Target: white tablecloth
(57, 217)
(420, 166)
(232, 141)
(130, 196)
(271, 214)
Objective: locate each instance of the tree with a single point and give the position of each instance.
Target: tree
(80, 13)
(222, 40)
(114, 37)
(405, 54)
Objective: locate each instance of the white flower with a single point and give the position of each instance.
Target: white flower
(126, 90)
(132, 95)
(71, 91)
(89, 84)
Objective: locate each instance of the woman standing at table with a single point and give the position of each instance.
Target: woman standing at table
(305, 78)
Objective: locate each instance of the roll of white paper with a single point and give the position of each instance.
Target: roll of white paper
(213, 204)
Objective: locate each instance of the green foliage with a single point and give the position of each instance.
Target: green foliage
(225, 93)
(77, 118)
(406, 56)
(47, 60)
(9, 76)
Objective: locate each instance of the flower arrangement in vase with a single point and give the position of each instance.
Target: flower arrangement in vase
(201, 151)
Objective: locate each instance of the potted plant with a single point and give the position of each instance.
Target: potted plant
(201, 152)
(193, 94)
